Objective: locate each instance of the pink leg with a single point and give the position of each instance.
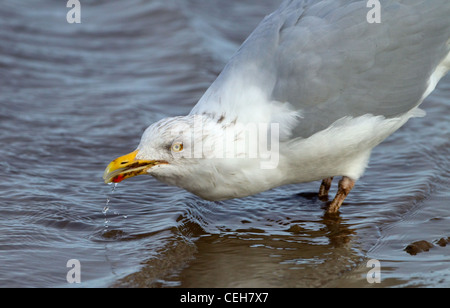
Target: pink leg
(345, 186)
(325, 188)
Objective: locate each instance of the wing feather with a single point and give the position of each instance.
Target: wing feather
(328, 62)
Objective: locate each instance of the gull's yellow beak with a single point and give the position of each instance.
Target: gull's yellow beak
(128, 166)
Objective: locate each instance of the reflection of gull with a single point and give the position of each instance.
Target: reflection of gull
(336, 84)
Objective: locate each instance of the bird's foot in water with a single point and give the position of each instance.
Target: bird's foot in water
(325, 188)
(345, 186)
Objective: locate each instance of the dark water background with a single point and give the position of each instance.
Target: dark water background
(75, 96)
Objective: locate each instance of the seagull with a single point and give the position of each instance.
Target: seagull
(308, 95)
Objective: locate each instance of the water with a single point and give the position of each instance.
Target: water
(75, 96)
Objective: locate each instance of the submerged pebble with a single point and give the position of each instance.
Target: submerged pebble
(418, 247)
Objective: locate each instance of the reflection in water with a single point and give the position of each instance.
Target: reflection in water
(297, 256)
(337, 232)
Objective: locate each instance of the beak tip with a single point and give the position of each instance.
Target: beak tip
(127, 166)
(106, 173)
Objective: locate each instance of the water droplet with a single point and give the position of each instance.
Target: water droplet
(107, 208)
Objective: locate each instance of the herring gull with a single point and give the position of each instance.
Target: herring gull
(307, 96)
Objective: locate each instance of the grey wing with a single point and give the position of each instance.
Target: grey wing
(327, 61)
(331, 62)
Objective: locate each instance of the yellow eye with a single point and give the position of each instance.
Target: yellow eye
(177, 147)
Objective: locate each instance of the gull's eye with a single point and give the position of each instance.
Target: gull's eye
(177, 147)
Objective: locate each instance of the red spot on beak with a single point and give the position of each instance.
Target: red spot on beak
(118, 178)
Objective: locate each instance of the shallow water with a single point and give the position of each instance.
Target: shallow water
(75, 96)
